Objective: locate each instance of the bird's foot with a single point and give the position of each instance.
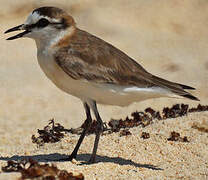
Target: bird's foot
(71, 157)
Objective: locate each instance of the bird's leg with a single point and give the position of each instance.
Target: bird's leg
(99, 130)
(88, 122)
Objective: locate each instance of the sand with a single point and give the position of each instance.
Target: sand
(169, 38)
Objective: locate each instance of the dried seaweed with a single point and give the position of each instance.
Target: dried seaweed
(138, 118)
(13, 166)
(146, 118)
(145, 135)
(175, 136)
(54, 132)
(125, 132)
(154, 114)
(51, 133)
(199, 108)
(92, 128)
(175, 111)
(31, 169)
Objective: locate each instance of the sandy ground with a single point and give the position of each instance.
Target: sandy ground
(169, 38)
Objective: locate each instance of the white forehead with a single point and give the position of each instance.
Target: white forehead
(34, 17)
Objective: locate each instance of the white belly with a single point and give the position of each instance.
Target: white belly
(101, 93)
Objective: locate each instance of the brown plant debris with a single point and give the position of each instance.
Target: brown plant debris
(31, 169)
(175, 111)
(92, 128)
(138, 118)
(175, 136)
(145, 135)
(13, 166)
(199, 108)
(125, 132)
(154, 114)
(54, 132)
(146, 118)
(51, 133)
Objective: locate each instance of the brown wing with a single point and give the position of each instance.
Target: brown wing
(93, 59)
(90, 58)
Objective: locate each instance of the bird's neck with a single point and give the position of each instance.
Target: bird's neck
(55, 40)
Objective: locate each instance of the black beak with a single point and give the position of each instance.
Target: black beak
(17, 28)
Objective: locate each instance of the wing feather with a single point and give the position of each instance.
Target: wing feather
(90, 58)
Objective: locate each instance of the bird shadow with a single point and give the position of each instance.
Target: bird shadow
(83, 158)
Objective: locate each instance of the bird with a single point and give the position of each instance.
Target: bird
(89, 68)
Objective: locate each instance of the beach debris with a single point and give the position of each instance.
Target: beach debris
(199, 108)
(114, 125)
(13, 166)
(175, 111)
(51, 133)
(146, 118)
(138, 118)
(125, 132)
(141, 118)
(145, 135)
(31, 169)
(92, 128)
(154, 114)
(54, 132)
(175, 136)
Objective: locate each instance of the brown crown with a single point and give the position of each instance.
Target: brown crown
(57, 13)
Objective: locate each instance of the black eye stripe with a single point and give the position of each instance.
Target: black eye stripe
(42, 22)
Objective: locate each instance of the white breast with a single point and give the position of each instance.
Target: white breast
(57, 75)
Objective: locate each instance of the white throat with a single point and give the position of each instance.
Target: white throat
(48, 40)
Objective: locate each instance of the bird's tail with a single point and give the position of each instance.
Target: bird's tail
(174, 88)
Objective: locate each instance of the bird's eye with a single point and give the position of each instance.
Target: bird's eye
(42, 23)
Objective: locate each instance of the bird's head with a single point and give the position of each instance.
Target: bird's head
(44, 23)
